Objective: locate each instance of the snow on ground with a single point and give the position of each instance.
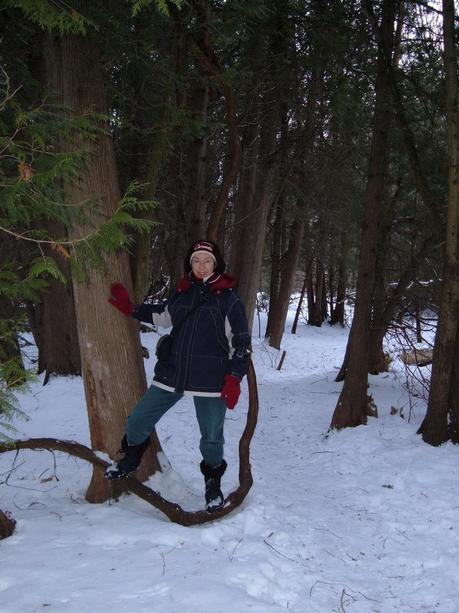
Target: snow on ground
(361, 520)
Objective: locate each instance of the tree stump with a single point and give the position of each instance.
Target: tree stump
(7, 525)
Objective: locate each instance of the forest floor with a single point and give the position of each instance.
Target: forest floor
(362, 520)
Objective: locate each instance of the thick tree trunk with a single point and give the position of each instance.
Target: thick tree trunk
(435, 428)
(352, 406)
(113, 373)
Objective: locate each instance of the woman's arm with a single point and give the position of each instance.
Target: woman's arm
(156, 314)
(239, 339)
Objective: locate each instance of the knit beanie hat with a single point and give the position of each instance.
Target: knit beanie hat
(202, 247)
(208, 247)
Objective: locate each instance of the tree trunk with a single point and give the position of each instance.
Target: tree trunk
(141, 260)
(454, 396)
(289, 267)
(55, 330)
(316, 295)
(331, 289)
(338, 310)
(276, 257)
(197, 166)
(113, 373)
(53, 320)
(278, 229)
(204, 54)
(52, 317)
(255, 188)
(252, 210)
(352, 406)
(376, 359)
(435, 428)
(301, 298)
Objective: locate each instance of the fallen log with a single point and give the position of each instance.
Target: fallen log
(417, 357)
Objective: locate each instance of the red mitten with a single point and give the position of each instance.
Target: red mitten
(231, 390)
(120, 299)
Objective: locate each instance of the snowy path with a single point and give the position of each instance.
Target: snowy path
(364, 520)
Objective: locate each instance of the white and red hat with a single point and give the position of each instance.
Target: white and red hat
(209, 247)
(203, 247)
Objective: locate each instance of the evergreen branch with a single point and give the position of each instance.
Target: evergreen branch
(53, 243)
(8, 96)
(63, 18)
(161, 5)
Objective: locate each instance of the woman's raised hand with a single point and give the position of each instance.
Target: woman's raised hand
(120, 299)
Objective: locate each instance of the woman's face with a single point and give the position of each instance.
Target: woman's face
(202, 265)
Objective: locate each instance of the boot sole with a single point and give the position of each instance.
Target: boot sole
(118, 477)
(215, 508)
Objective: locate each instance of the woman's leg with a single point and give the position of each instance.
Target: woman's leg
(147, 412)
(210, 413)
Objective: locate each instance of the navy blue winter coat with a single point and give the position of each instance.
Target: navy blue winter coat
(210, 336)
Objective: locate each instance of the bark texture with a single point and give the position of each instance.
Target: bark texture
(289, 266)
(112, 367)
(353, 403)
(442, 406)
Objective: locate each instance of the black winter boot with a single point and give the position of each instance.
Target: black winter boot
(212, 478)
(128, 465)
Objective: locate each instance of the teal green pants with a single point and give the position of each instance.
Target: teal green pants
(210, 413)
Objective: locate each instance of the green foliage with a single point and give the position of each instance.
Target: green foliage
(13, 379)
(118, 232)
(33, 169)
(52, 15)
(17, 287)
(161, 5)
(31, 165)
(43, 267)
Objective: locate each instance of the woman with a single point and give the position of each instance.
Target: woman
(205, 356)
